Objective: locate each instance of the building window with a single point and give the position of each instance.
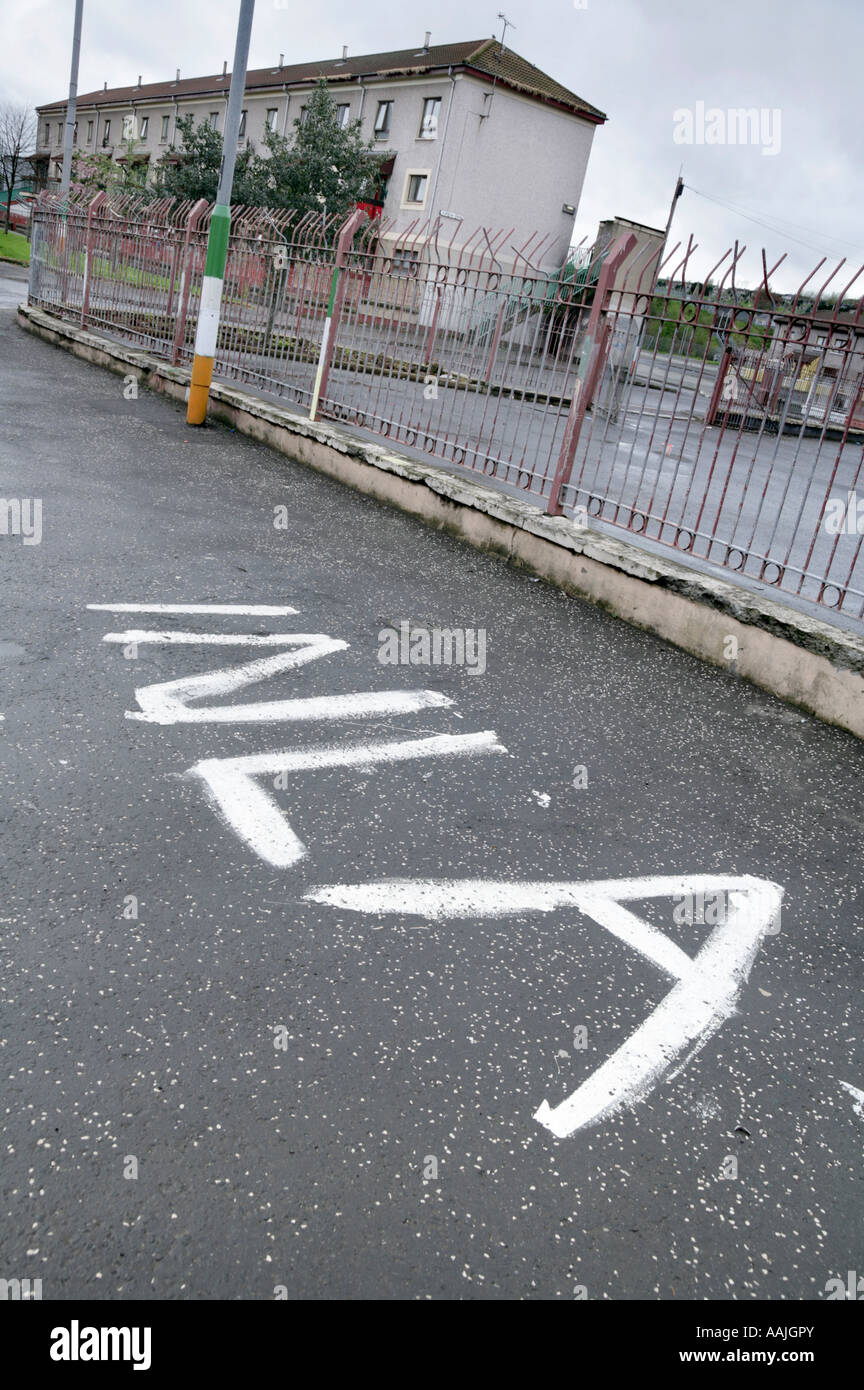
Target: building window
(304, 114)
(270, 121)
(145, 126)
(59, 132)
(405, 262)
(242, 130)
(213, 120)
(190, 116)
(89, 132)
(163, 134)
(47, 133)
(429, 121)
(382, 120)
(343, 115)
(128, 128)
(106, 134)
(416, 190)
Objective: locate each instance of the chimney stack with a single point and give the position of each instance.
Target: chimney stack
(139, 79)
(426, 40)
(177, 78)
(281, 61)
(105, 87)
(225, 68)
(344, 53)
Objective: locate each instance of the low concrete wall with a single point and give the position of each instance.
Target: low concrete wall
(805, 661)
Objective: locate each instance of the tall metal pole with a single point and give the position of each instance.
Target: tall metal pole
(69, 132)
(679, 189)
(207, 331)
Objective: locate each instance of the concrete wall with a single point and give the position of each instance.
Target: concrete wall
(809, 663)
(512, 162)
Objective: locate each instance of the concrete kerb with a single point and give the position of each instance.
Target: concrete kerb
(799, 658)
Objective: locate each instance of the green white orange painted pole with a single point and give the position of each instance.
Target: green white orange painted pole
(207, 331)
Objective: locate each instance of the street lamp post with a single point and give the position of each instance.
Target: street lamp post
(207, 330)
(69, 130)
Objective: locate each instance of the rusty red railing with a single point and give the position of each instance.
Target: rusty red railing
(723, 423)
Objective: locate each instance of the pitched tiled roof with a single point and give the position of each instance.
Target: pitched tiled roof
(484, 57)
(514, 71)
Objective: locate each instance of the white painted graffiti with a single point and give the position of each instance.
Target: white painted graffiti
(706, 987)
(254, 814)
(166, 702)
(232, 784)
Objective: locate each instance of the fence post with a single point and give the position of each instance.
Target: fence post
(591, 361)
(334, 307)
(37, 239)
(714, 403)
(88, 254)
(194, 217)
(433, 327)
(496, 338)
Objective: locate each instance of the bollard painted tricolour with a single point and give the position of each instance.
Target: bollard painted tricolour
(207, 330)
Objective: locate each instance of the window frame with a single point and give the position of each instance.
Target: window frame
(423, 133)
(379, 130)
(410, 176)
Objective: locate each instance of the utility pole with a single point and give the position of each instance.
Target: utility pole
(69, 131)
(207, 330)
(679, 189)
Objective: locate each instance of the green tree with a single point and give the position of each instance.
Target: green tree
(191, 169)
(327, 168)
(98, 172)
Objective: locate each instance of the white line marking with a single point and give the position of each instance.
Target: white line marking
(707, 985)
(205, 639)
(857, 1098)
(243, 610)
(253, 813)
(358, 705)
(166, 701)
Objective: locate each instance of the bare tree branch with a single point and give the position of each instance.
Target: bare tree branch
(17, 141)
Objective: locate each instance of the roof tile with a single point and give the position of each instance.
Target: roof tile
(484, 56)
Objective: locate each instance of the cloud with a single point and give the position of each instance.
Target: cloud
(637, 62)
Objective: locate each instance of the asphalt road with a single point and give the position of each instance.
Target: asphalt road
(387, 1148)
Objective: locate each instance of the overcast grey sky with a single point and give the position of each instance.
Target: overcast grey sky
(638, 60)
